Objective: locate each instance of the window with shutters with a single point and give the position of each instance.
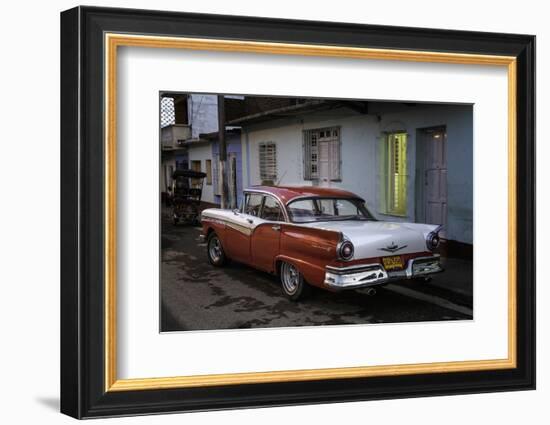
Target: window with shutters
(322, 154)
(394, 173)
(268, 162)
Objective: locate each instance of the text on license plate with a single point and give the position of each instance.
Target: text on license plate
(391, 263)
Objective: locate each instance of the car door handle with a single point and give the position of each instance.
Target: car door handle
(276, 227)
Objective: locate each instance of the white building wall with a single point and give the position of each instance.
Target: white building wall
(360, 137)
(358, 134)
(458, 120)
(199, 151)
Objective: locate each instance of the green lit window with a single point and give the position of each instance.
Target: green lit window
(394, 173)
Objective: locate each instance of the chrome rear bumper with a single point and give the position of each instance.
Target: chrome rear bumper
(365, 275)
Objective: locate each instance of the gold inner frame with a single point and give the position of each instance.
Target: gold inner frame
(113, 41)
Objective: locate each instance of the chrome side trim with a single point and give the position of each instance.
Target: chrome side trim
(244, 227)
(225, 220)
(240, 228)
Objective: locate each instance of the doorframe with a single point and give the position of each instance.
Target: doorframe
(420, 168)
(233, 189)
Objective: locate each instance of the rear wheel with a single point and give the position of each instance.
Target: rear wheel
(214, 250)
(292, 282)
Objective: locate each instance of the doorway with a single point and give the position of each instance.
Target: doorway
(431, 176)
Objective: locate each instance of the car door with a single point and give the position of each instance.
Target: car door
(266, 237)
(241, 226)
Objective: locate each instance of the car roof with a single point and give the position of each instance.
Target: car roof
(289, 193)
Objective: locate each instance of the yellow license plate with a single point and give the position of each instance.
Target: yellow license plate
(391, 263)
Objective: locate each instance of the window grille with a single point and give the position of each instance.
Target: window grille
(167, 112)
(268, 162)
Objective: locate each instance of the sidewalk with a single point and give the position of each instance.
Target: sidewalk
(457, 277)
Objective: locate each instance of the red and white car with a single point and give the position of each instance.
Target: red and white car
(321, 237)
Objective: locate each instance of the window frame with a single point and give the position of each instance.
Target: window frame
(245, 203)
(265, 177)
(284, 214)
(281, 211)
(361, 202)
(308, 151)
(389, 187)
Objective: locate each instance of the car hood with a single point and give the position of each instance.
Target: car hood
(380, 238)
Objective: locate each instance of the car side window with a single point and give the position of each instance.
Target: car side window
(302, 210)
(253, 204)
(271, 210)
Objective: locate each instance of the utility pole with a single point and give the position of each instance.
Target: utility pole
(222, 152)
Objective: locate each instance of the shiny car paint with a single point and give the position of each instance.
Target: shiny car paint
(312, 247)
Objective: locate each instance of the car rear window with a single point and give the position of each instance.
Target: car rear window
(321, 209)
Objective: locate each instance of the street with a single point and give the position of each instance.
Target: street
(198, 296)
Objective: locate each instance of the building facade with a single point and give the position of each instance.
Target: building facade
(190, 141)
(410, 162)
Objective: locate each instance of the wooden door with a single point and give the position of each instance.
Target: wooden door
(435, 178)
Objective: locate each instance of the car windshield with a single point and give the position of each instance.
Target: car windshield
(327, 209)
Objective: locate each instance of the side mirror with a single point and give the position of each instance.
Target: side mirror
(236, 211)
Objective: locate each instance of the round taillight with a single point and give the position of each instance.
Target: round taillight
(432, 241)
(346, 250)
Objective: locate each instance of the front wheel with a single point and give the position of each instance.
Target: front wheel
(214, 250)
(292, 282)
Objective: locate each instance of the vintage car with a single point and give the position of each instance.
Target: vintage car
(318, 236)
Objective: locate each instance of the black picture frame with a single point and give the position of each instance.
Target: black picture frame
(83, 392)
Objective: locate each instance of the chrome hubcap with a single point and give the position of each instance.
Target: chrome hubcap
(290, 278)
(215, 249)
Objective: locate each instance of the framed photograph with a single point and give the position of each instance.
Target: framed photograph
(261, 212)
